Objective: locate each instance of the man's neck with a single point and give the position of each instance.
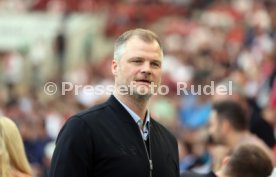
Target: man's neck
(235, 138)
(138, 106)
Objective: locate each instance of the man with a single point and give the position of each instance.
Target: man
(229, 127)
(118, 138)
(259, 122)
(247, 160)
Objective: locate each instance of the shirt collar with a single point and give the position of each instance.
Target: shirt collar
(135, 117)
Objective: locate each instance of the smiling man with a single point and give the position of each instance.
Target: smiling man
(119, 138)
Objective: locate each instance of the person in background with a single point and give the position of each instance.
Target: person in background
(119, 138)
(13, 160)
(229, 126)
(259, 123)
(247, 160)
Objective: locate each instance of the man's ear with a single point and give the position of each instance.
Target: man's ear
(114, 67)
(225, 161)
(225, 125)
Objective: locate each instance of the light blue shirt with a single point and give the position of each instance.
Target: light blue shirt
(143, 129)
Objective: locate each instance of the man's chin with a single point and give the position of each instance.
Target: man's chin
(142, 94)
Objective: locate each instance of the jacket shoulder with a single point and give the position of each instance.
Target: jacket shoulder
(93, 111)
(161, 128)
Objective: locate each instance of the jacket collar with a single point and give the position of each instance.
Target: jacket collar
(119, 109)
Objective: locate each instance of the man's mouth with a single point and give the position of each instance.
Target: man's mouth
(144, 81)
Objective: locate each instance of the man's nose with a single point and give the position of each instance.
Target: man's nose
(146, 68)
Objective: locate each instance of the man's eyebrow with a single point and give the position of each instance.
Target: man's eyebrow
(135, 58)
(156, 61)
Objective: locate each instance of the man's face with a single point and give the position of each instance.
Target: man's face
(215, 129)
(139, 68)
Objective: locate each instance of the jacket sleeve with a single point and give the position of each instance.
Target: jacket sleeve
(73, 153)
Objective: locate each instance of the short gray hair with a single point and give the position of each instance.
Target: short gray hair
(144, 34)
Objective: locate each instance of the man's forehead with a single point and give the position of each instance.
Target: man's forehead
(138, 41)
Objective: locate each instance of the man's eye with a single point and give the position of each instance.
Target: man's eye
(155, 64)
(137, 61)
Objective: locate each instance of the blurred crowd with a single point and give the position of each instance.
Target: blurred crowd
(204, 41)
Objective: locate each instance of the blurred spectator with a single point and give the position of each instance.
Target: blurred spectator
(47, 158)
(229, 127)
(258, 124)
(196, 157)
(13, 159)
(38, 56)
(60, 49)
(13, 69)
(60, 46)
(247, 160)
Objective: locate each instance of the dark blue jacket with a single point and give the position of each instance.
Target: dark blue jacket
(105, 141)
